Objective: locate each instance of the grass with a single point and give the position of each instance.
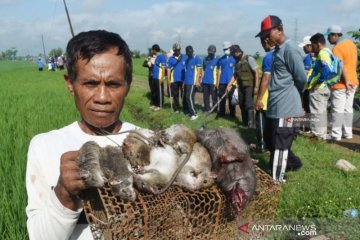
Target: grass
(35, 102)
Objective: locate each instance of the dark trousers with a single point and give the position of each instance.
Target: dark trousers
(222, 91)
(176, 89)
(209, 91)
(158, 96)
(189, 92)
(260, 120)
(306, 101)
(305, 125)
(279, 134)
(246, 105)
(152, 91)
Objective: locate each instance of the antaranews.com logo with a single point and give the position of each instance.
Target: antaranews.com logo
(299, 229)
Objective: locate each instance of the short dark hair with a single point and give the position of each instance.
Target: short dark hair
(156, 47)
(318, 38)
(86, 45)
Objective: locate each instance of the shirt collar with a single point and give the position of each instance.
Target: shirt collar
(283, 43)
(340, 39)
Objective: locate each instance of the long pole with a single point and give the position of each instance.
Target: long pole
(68, 17)
(42, 39)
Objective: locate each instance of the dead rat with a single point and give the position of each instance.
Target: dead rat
(231, 162)
(137, 146)
(196, 174)
(180, 137)
(154, 177)
(99, 165)
(169, 153)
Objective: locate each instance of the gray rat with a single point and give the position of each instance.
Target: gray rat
(99, 165)
(231, 162)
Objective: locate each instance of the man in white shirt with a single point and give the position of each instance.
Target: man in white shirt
(99, 74)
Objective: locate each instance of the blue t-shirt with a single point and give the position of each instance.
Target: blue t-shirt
(227, 65)
(40, 64)
(267, 61)
(210, 70)
(192, 66)
(308, 62)
(159, 65)
(176, 66)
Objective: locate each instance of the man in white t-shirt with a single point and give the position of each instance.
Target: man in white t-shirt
(99, 74)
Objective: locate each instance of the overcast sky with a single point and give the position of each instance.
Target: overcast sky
(144, 22)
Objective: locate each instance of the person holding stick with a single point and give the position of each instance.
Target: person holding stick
(176, 75)
(288, 79)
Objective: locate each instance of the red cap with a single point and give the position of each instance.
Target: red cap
(269, 23)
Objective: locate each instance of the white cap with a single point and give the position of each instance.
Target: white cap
(227, 45)
(305, 41)
(333, 29)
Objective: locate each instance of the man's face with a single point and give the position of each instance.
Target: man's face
(308, 48)
(177, 52)
(315, 48)
(266, 43)
(275, 35)
(238, 55)
(189, 53)
(332, 38)
(100, 88)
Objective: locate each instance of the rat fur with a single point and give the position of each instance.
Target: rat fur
(99, 165)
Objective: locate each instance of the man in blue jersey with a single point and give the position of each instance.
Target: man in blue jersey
(308, 64)
(158, 72)
(192, 79)
(287, 82)
(209, 79)
(319, 83)
(226, 65)
(40, 64)
(176, 74)
(149, 63)
(263, 93)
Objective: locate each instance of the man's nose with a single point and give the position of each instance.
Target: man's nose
(102, 94)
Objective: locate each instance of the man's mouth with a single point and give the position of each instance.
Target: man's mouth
(101, 112)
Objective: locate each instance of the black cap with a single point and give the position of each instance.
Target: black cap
(236, 48)
(269, 23)
(156, 47)
(212, 49)
(189, 49)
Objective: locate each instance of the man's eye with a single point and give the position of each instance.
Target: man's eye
(90, 83)
(115, 84)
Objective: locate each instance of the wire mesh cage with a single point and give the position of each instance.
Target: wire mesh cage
(176, 213)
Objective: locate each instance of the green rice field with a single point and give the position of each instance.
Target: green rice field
(33, 102)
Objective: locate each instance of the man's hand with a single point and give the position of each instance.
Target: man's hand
(349, 87)
(69, 182)
(256, 89)
(228, 87)
(259, 104)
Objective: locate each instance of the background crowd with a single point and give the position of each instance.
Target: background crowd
(321, 84)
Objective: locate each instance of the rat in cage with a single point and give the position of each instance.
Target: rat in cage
(231, 162)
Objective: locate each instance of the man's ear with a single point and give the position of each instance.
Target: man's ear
(69, 84)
